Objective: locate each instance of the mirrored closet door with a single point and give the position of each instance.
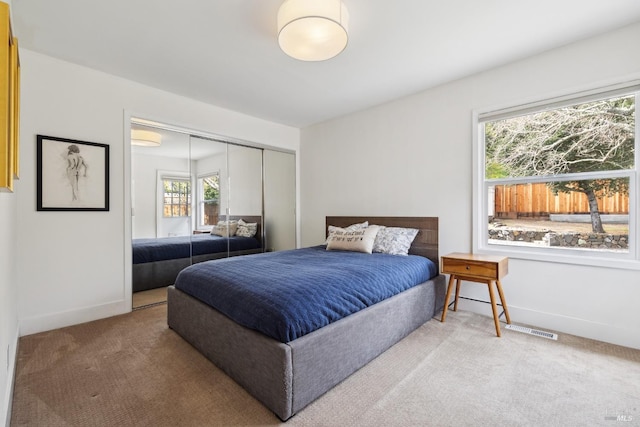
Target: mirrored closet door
(196, 199)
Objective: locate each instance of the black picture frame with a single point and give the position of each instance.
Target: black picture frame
(72, 175)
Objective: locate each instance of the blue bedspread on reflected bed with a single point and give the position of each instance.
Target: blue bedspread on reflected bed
(288, 294)
(150, 250)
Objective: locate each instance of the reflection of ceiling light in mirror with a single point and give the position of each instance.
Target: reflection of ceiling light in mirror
(145, 138)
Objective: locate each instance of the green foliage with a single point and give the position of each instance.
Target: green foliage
(211, 188)
(496, 170)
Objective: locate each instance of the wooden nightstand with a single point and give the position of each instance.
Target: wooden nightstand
(476, 268)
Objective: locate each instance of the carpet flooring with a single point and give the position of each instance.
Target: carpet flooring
(131, 370)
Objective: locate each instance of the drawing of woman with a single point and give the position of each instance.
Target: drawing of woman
(75, 162)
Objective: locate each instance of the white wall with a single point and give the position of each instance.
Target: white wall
(414, 157)
(74, 266)
(8, 299)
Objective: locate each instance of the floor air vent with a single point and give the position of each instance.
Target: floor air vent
(543, 334)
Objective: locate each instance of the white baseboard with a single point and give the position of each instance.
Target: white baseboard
(47, 322)
(5, 411)
(610, 333)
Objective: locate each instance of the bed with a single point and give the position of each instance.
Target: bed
(287, 376)
(157, 262)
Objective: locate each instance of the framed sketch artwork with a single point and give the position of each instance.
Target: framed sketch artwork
(72, 175)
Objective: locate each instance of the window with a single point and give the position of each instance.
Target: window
(176, 197)
(558, 180)
(208, 199)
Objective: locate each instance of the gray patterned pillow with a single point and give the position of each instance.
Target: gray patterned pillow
(358, 240)
(246, 229)
(394, 240)
(225, 228)
(352, 227)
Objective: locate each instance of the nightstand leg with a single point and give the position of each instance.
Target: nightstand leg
(455, 306)
(494, 307)
(446, 298)
(503, 301)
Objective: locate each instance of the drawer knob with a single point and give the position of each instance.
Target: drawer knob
(467, 267)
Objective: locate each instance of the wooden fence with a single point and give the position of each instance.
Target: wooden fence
(211, 213)
(537, 200)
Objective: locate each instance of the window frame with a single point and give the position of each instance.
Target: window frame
(200, 201)
(480, 189)
(188, 204)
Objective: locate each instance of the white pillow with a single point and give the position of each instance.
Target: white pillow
(246, 229)
(358, 240)
(394, 240)
(352, 227)
(225, 228)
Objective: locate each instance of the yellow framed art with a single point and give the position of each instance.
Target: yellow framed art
(9, 102)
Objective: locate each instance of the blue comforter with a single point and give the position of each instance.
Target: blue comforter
(150, 250)
(288, 294)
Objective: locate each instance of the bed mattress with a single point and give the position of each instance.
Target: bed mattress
(288, 294)
(161, 249)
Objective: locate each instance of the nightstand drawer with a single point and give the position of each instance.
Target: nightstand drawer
(470, 268)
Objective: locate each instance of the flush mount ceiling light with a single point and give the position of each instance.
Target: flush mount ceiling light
(312, 30)
(145, 138)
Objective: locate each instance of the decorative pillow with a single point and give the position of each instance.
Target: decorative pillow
(359, 240)
(225, 228)
(352, 227)
(394, 240)
(246, 229)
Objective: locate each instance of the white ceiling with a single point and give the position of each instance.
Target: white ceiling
(225, 52)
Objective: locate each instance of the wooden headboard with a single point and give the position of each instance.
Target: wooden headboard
(425, 243)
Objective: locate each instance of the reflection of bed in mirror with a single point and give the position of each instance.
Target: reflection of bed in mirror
(157, 262)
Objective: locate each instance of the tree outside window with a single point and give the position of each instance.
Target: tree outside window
(562, 161)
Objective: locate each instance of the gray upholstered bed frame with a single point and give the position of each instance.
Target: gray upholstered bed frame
(288, 377)
(160, 274)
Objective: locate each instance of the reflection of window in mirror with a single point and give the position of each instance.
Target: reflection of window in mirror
(208, 200)
(174, 204)
(177, 197)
